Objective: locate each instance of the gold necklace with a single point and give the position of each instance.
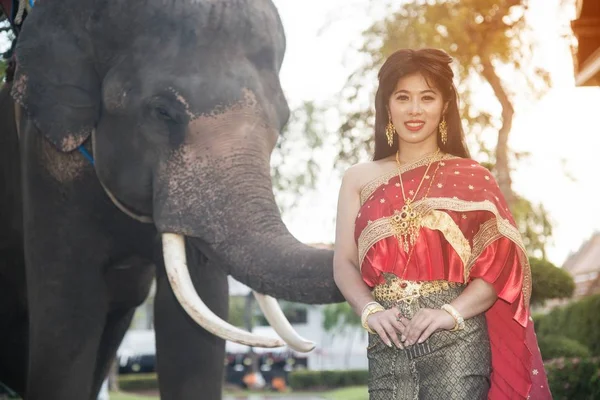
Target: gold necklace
(406, 223)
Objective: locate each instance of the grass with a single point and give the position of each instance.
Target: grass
(349, 393)
(127, 396)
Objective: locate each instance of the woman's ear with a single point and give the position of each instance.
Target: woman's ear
(446, 104)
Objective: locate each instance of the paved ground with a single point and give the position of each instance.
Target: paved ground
(271, 397)
(267, 396)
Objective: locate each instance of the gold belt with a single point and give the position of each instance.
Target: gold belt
(396, 289)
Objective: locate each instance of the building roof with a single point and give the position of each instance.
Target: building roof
(586, 28)
(586, 259)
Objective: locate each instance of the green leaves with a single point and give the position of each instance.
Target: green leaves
(472, 32)
(337, 317)
(534, 224)
(492, 45)
(549, 282)
(6, 39)
(294, 164)
(2, 69)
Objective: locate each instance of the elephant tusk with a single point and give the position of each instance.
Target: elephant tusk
(279, 322)
(181, 283)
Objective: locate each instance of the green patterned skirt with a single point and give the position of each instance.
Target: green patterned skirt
(448, 366)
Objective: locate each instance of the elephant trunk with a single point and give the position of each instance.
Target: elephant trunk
(225, 207)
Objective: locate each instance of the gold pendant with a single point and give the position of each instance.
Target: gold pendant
(405, 225)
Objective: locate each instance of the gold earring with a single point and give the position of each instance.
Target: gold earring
(390, 130)
(444, 130)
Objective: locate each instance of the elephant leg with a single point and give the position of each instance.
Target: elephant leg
(67, 320)
(117, 323)
(65, 256)
(128, 282)
(13, 319)
(190, 359)
(73, 235)
(13, 351)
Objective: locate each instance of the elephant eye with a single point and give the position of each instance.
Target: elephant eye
(164, 114)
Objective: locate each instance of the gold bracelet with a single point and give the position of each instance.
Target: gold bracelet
(367, 305)
(369, 309)
(459, 322)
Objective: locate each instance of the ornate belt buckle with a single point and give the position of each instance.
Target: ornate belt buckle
(412, 291)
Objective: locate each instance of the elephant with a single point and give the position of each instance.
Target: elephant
(136, 144)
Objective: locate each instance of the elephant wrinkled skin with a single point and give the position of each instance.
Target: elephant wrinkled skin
(180, 104)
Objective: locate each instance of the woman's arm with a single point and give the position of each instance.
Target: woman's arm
(477, 298)
(346, 272)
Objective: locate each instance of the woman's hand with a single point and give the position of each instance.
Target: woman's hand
(388, 324)
(425, 322)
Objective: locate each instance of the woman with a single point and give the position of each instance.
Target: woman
(428, 253)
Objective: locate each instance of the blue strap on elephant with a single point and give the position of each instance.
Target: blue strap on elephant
(86, 154)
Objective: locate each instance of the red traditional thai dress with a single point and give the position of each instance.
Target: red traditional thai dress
(466, 232)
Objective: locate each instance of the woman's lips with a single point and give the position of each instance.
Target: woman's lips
(414, 126)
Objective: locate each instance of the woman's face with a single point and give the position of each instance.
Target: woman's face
(416, 109)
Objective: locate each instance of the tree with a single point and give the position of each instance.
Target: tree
(340, 318)
(534, 224)
(6, 41)
(337, 317)
(491, 42)
(484, 37)
(294, 163)
(493, 46)
(549, 282)
(237, 311)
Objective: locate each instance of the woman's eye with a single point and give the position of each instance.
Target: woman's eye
(428, 98)
(402, 97)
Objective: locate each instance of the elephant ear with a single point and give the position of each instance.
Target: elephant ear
(55, 80)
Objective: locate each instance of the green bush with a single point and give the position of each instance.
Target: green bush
(574, 378)
(132, 382)
(556, 346)
(578, 320)
(318, 380)
(304, 379)
(549, 281)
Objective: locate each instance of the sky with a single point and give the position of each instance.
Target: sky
(561, 130)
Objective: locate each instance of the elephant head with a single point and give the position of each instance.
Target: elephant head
(183, 105)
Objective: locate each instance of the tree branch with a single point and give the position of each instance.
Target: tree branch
(502, 167)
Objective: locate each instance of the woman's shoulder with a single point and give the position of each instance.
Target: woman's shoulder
(362, 173)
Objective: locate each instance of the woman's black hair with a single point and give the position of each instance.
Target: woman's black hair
(434, 65)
